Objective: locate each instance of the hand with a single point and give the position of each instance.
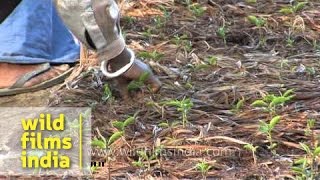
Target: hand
(137, 69)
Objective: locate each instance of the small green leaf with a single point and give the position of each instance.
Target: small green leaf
(253, 19)
(202, 66)
(251, 1)
(305, 148)
(256, 21)
(259, 103)
(268, 98)
(240, 104)
(316, 152)
(134, 85)
(128, 122)
(212, 60)
(143, 155)
(273, 145)
(163, 125)
(221, 32)
(299, 6)
(300, 161)
(288, 92)
(311, 123)
(278, 101)
(144, 76)
(274, 121)
(138, 164)
(98, 143)
(297, 170)
(173, 103)
(115, 137)
(119, 125)
(250, 147)
(107, 93)
(286, 10)
(264, 127)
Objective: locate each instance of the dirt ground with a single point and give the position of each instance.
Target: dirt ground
(187, 51)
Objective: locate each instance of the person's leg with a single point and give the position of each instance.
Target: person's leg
(12, 72)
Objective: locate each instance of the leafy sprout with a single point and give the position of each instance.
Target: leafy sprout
(306, 167)
(107, 93)
(259, 22)
(222, 33)
(182, 106)
(270, 102)
(196, 9)
(267, 130)
(204, 168)
(253, 149)
(293, 8)
(154, 55)
(137, 84)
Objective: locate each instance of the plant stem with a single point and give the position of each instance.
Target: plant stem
(254, 158)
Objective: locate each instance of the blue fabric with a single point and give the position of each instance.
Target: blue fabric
(34, 33)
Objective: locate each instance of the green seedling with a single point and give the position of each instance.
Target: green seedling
(145, 158)
(212, 60)
(209, 62)
(311, 71)
(159, 21)
(204, 168)
(258, 22)
(166, 13)
(238, 106)
(196, 9)
(270, 102)
(179, 40)
(105, 144)
(267, 130)
(183, 41)
(147, 33)
(169, 125)
(154, 55)
(93, 169)
(306, 167)
(139, 83)
(253, 149)
(289, 41)
(107, 93)
(182, 106)
(310, 126)
(121, 125)
(222, 33)
(251, 1)
(293, 8)
(100, 143)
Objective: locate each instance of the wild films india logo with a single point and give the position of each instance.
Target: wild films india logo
(32, 138)
(46, 141)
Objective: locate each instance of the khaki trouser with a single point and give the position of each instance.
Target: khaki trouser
(97, 18)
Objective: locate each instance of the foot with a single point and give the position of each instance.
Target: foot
(10, 73)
